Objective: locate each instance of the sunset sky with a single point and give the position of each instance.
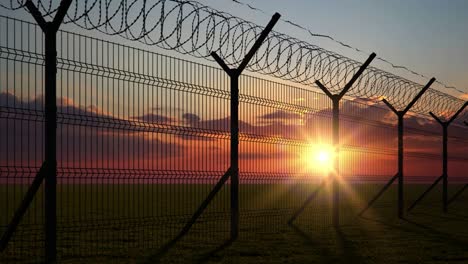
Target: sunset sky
(283, 135)
(240, 131)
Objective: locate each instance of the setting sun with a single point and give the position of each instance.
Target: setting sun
(319, 158)
(323, 156)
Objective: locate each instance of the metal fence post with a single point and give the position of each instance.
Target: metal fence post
(401, 145)
(399, 175)
(234, 75)
(50, 186)
(233, 171)
(445, 168)
(234, 156)
(336, 98)
(336, 161)
(401, 114)
(48, 170)
(444, 177)
(50, 30)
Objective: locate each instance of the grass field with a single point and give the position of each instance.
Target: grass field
(131, 223)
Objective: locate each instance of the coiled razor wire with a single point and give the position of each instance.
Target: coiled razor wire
(191, 28)
(343, 44)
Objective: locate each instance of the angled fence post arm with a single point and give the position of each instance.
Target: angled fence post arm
(377, 196)
(220, 62)
(336, 143)
(61, 12)
(219, 185)
(390, 106)
(357, 75)
(258, 42)
(307, 201)
(458, 112)
(416, 98)
(419, 199)
(36, 15)
(57, 20)
(323, 88)
(203, 205)
(436, 118)
(19, 213)
(458, 193)
(351, 82)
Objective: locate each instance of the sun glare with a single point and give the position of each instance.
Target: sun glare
(319, 158)
(323, 156)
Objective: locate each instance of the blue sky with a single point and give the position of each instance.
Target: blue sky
(429, 36)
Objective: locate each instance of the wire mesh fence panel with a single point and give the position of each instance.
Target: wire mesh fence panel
(457, 149)
(139, 147)
(143, 138)
(277, 120)
(147, 123)
(457, 168)
(21, 137)
(424, 164)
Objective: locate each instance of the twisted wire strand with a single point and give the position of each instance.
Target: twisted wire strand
(191, 28)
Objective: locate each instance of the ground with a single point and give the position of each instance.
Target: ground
(130, 235)
(420, 238)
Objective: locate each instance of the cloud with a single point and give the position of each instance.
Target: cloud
(191, 118)
(220, 124)
(22, 139)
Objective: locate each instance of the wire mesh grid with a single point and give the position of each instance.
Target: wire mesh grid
(143, 137)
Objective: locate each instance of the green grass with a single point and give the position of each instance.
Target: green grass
(130, 224)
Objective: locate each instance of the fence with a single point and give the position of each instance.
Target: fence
(142, 138)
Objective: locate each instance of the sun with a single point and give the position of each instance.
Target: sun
(323, 156)
(319, 159)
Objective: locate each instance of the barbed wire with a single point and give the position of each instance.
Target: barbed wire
(343, 44)
(191, 28)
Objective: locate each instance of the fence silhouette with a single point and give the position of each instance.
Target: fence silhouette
(198, 30)
(143, 137)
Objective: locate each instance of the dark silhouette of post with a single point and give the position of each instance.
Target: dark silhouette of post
(400, 114)
(336, 98)
(444, 176)
(233, 171)
(48, 170)
(234, 76)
